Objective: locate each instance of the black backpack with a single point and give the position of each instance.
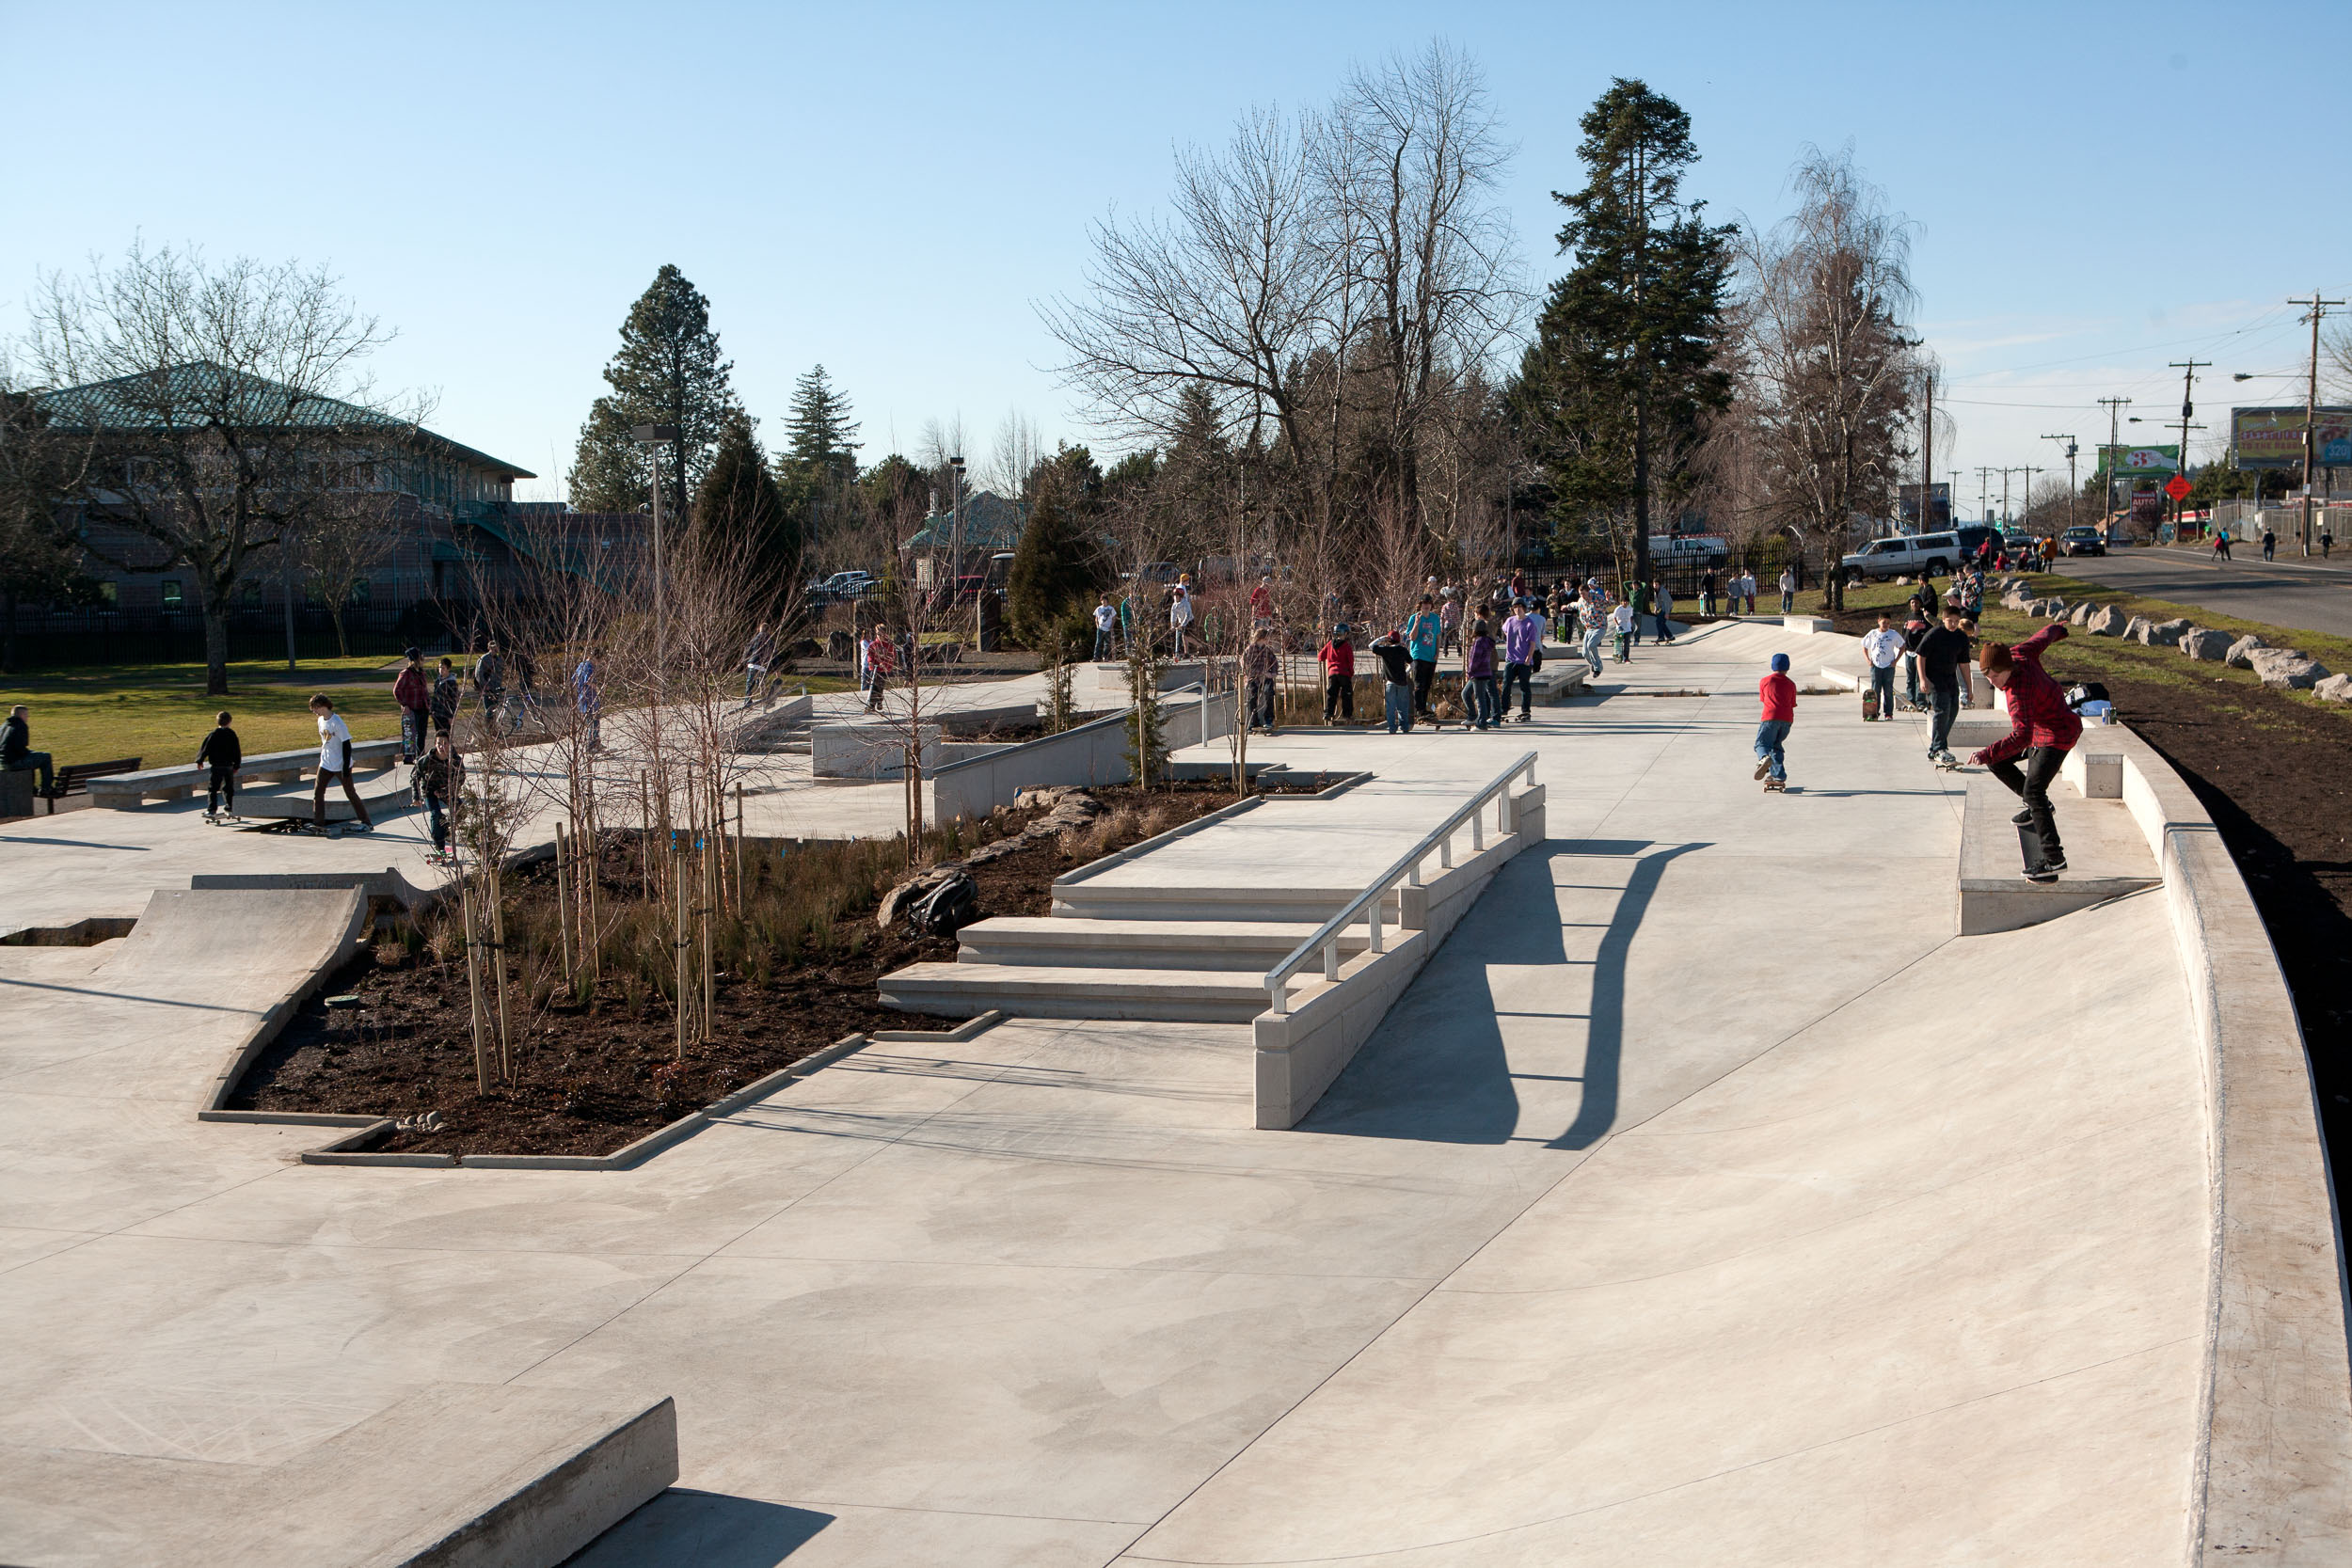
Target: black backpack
(945, 908)
(2088, 691)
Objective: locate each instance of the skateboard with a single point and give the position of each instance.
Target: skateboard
(1775, 786)
(2030, 844)
(223, 819)
(1946, 762)
(303, 827)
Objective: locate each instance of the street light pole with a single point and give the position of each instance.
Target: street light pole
(1984, 494)
(2069, 475)
(2188, 369)
(2310, 410)
(652, 437)
(2115, 407)
(955, 548)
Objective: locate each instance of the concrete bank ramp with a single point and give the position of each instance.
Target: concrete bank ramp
(1923, 1282)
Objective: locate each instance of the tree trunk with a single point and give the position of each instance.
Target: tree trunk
(216, 648)
(8, 630)
(1641, 485)
(343, 646)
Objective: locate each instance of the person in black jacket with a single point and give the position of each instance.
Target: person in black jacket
(223, 754)
(16, 750)
(1942, 655)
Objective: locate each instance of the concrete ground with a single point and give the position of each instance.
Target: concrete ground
(2311, 596)
(1707, 1199)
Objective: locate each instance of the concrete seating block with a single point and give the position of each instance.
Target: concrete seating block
(1813, 625)
(2197, 642)
(868, 751)
(16, 793)
(2095, 775)
(2288, 669)
(2241, 653)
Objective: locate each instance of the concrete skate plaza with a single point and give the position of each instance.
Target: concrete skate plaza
(1706, 1199)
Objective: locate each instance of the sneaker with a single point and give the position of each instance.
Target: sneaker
(2043, 874)
(2056, 863)
(2022, 820)
(1762, 769)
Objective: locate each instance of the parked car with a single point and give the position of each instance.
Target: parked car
(840, 588)
(1904, 555)
(2082, 541)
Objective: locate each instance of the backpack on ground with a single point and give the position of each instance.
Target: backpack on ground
(945, 908)
(2086, 692)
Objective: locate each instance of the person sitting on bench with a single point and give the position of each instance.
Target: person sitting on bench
(335, 763)
(222, 754)
(16, 753)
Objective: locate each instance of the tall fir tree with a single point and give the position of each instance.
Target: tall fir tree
(668, 371)
(1054, 567)
(1612, 395)
(819, 432)
(739, 507)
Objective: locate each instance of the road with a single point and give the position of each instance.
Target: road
(2284, 592)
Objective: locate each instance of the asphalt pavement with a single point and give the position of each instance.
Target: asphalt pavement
(2287, 593)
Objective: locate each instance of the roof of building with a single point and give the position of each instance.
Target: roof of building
(190, 393)
(990, 523)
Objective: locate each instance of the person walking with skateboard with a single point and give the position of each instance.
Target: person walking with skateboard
(413, 691)
(441, 780)
(1522, 649)
(1883, 645)
(2043, 729)
(222, 754)
(1778, 695)
(335, 763)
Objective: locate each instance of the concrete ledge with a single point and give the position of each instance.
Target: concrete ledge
(1174, 676)
(1810, 625)
(385, 887)
(1301, 1053)
(868, 750)
(2273, 1477)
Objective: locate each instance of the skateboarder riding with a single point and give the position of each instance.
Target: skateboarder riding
(2044, 729)
(334, 763)
(223, 754)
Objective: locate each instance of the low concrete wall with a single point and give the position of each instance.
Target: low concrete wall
(2273, 1481)
(871, 751)
(1301, 1053)
(1174, 676)
(1092, 754)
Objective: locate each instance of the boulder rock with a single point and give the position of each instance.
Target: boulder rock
(2080, 615)
(2057, 609)
(2242, 652)
(2287, 667)
(2168, 634)
(2336, 689)
(2135, 630)
(2107, 621)
(2205, 644)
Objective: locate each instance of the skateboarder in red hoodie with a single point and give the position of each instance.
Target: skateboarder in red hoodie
(2043, 729)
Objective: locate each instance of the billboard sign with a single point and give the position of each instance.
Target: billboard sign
(1939, 508)
(2140, 460)
(2273, 438)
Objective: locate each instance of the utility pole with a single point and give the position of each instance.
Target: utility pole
(1927, 457)
(2071, 485)
(2027, 490)
(2311, 411)
(2006, 517)
(2115, 407)
(2188, 369)
(1984, 494)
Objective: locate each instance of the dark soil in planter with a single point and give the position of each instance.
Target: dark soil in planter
(592, 1077)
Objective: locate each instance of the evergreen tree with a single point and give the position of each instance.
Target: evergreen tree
(1612, 394)
(739, 503)
(819, 432)
(1054, 568)
(668, 371)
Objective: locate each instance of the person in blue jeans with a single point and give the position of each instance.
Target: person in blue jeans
(1396, 675)
(1478, 679)
(1779, 695)
(1422, 633)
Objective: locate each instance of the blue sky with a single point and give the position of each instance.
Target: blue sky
(887, 189)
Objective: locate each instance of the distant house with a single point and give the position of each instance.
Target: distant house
(991, 525)
(453, 530)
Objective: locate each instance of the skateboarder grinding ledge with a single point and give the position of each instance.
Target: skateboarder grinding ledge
(2044, 729)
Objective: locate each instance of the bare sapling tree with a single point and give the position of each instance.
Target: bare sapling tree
(226, 404)
(348, 533)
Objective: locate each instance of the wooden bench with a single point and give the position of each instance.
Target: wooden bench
(129, 789)
(73, 779)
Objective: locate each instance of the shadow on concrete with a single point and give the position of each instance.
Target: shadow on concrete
(1438, 1071)
(686, 1528)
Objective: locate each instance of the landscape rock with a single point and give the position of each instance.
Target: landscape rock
(2168, 634)
(2336, 689)
(2137, 630)
(2205, 644)
(2241, 651)
(2287, 667)
(2080, 615)
(2107, 621)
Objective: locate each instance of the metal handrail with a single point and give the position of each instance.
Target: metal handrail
(1366, 904)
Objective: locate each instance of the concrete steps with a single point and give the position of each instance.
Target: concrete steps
(1307, 906)
(2106, 856)
(1029, 991)
(1251, 947)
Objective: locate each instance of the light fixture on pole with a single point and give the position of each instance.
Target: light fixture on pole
(653, 437)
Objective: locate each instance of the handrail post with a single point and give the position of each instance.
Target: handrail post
(1331, 959)
(1279, 992)
(1445, 854)
(1412, 874)
(1375, 913)
(1478, 832)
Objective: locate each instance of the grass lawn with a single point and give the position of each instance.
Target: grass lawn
(2083, 656)
(159, 712)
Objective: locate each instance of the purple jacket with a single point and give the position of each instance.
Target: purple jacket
(1521, 634)
(1481, 658)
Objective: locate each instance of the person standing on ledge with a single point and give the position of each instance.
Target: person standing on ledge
(1779, 696)
(2043, 729)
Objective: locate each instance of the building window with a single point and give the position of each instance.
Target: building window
(171, 592)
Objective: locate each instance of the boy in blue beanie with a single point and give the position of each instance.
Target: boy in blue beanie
(1779, 695)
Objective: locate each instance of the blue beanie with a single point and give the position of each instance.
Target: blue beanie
(1780, 664)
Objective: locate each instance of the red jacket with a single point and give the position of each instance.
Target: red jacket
(1339, 658)
(412, 690)
(1780, 697)
(2037, 708)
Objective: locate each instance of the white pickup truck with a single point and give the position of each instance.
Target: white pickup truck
(1905, 555)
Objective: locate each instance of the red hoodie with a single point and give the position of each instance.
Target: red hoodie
(1780, 697)
(2037, 708)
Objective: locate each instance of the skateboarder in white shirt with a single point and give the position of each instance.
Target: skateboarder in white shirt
(334, 763)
